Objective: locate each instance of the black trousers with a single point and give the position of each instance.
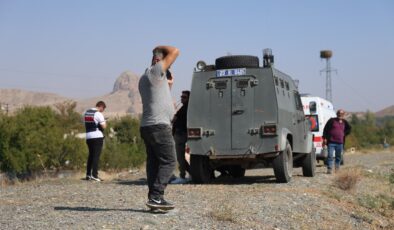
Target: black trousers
(161, 160)
(180, 142)
(95, 146)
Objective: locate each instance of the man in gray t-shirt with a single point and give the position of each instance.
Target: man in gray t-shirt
(157, 112)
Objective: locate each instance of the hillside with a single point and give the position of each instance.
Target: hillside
(17, 98)
(389, 111)
(124, 98)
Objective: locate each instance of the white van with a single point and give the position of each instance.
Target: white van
(318, 111)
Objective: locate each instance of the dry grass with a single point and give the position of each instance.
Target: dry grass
(347, 179)
(223, 211)
(5, 181)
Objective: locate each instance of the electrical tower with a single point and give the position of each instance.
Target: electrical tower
(327, 54)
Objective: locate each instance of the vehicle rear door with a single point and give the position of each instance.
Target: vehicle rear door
(242, 107)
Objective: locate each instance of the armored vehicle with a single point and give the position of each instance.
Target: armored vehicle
(242, 115)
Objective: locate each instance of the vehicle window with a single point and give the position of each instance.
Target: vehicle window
(220, 84)
(242, 83)
(282, 84)
(298, 102)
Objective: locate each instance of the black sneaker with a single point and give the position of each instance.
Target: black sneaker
(159, 203)
(88, 177)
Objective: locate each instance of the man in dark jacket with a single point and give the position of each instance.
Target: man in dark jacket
(180, 134)
(334, 134)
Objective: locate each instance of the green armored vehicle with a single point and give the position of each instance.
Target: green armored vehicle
(242, 115)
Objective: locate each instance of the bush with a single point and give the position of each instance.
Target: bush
(74, 153)
(347, 179)
(40, 138)
(34, 140)
(126, 149)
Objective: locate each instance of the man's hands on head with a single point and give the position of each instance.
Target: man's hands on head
(170, 55)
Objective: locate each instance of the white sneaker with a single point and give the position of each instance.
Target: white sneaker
(95, 178)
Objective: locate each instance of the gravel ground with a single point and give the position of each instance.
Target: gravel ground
(252, 202)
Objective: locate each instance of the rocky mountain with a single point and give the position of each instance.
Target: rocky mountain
(389, 111)
(124, 98)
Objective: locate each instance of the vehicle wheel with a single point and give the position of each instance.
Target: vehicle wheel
(309, 164)
(283, 165)
(237, 61)
(200, 169)
(236, 171)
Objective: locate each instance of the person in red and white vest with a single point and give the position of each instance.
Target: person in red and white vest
(94, 125)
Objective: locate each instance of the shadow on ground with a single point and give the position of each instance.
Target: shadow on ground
(89, 209)
(140, 182)
(244, 180)
(218, 180)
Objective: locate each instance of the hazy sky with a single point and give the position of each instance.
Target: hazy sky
(79, 48)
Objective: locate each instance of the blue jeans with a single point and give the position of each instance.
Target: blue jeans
(338, 155)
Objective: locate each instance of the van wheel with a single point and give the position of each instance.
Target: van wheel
(237, 61)
(309, 164)
(200, 169)
(283, 165)
(236, 171)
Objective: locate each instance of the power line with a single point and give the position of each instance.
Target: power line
(359, 95)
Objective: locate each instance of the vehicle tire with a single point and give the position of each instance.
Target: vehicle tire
(283, 165)
(236, 171)
(200, 169)
(237, 61)
(309, 164)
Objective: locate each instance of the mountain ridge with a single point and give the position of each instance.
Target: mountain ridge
(123, 100)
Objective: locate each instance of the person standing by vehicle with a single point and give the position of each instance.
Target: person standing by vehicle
(158, 110)
(179, 130)
(94, 125)
(334, 134)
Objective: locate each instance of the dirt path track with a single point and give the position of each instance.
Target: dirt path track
(253, 202)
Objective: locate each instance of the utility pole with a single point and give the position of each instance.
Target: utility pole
(327, 54)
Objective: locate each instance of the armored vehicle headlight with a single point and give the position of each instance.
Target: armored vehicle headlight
(201, 65)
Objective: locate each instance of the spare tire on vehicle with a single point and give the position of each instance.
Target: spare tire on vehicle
(237, 61)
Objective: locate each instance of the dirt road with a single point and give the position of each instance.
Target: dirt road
(253, 202)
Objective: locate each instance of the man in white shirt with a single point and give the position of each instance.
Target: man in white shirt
(95, 125)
